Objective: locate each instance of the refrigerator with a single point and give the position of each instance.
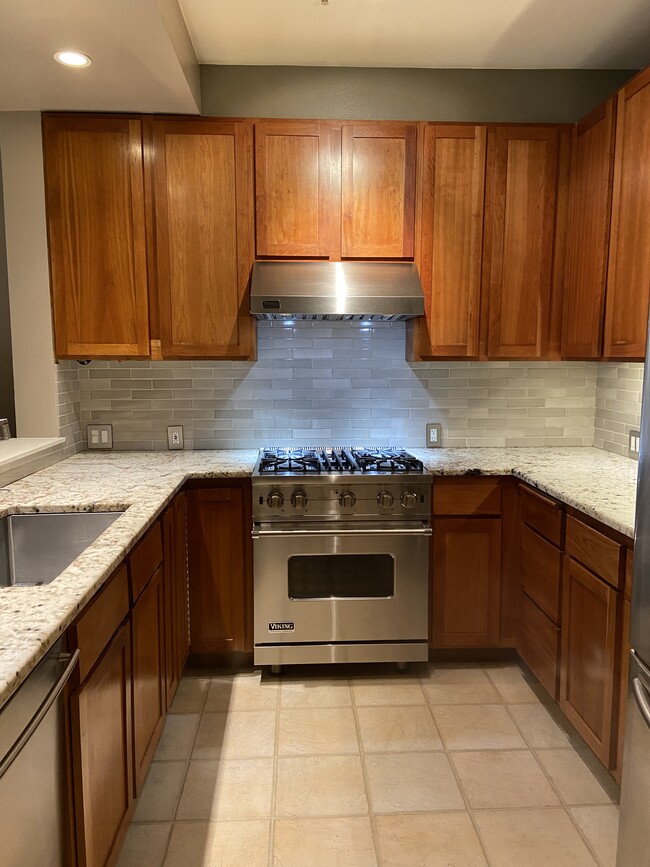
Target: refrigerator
(634, 827)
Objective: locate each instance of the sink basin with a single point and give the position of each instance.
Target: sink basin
(34, 549)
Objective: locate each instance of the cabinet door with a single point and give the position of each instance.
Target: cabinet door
(378, 190)
(102, 754)
(588, 656)
(519, 228)
(588, 233)
(466, 582)
(292, 189)
(174, 522)
(217, 565)
(96, 226)
(624, 673)
(148, 623)
(452, 237)
(628, 277)
(204, 237)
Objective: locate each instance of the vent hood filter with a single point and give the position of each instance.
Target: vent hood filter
(376, 291)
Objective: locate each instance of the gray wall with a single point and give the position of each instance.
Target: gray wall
(515, 95)
(6, 367)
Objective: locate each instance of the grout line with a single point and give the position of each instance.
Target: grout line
(274, 778)
(366, 783)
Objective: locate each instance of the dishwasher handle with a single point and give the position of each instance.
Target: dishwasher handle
(48, 701)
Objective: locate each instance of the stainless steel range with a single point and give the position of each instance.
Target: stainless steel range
(341, 555)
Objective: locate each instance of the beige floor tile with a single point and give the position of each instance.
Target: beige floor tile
(161, 791)
(315, 693)
(572, 778)
(324, 843)
(317, 731)
(429, 840)
(460, 693)
(237, 789)
(219, 844)
(455, 673)
(508, 778)
(387, 691)
(177, 737)
(320, 786)
(247, 691)
(538, 726)
(235, 735)
(600, 827)
(511, 684)
(190, 695)
(532, 838)
(412, 782)
(144, 844)
(477, 727)
(398, 729)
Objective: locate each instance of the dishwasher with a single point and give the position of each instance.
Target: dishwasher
(34, 814)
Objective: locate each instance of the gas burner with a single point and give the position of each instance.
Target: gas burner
(290, 461)
(387, 461)
(311, 461)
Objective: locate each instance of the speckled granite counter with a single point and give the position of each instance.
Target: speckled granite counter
(142, 483)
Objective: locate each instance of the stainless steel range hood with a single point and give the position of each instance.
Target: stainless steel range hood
(385, 291)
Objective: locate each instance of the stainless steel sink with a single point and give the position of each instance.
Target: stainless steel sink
(34, 549)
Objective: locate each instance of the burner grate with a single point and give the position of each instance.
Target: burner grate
(327, 459)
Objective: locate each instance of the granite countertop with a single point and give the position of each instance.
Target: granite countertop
(143, 483)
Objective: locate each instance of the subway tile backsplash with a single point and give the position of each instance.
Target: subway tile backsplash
(618, 405)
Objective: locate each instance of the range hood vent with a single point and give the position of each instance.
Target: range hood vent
(354, 291)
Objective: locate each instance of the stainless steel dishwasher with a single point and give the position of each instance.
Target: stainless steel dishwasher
(34, 816)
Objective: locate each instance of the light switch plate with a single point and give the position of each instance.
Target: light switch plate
(434, 435)
(175, 436)
(99, 436)
(634, 443)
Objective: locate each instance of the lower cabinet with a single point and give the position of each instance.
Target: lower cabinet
(177, 637)
(539, 644)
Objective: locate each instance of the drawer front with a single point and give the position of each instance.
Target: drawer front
(541, 568)
(539, 644)
(145, 559)
(595, 551)
(542, 514)
(467, 498)
(100, 620)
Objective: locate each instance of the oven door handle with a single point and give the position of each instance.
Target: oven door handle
(424, 531)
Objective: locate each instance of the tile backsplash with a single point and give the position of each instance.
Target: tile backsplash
(618, 404)
(332, 382)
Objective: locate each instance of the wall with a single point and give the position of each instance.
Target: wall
(527, 95)
(6, 364)
(69, 406)
(618, 405)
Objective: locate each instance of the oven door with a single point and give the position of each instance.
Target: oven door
(341, 583)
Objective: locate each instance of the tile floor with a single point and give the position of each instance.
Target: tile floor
(445, 765)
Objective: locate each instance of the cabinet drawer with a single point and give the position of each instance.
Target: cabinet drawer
(100, 621)
(594, 550)
(467, 498)
(541, 567)
(542, 514)
(145, 559)
(539, 643)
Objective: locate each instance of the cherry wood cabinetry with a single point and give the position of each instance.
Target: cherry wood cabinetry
(95, 214)
(177, 641)
(204, 237)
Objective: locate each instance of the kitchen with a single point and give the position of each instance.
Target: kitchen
(364, 650)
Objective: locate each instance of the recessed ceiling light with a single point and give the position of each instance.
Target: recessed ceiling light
(72, 58)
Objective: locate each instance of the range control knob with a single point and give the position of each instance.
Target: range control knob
(275, 500)
(409, 500)
(385, 499)
(299, 500)
(347, 499)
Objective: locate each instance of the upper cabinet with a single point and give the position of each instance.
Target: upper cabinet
(203, 193)
(98, 259)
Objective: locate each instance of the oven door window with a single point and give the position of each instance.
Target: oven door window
(341, 576)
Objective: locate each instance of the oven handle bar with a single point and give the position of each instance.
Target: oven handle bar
(424, 531)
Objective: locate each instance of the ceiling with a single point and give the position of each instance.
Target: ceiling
(604, 34)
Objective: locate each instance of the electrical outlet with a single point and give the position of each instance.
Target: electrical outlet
(434, 435)
(175, 436)
(634, 443)
(99, 436)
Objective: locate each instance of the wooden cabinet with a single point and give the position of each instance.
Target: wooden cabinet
(219, 568)
(102, 754)
(624, 673)
(451, 219)
(174, 523)
(538, 643)
(204, 237)
(628, 277)
(96, 228)
(592, 167)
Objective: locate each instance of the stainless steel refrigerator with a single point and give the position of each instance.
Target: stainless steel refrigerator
(634, 829)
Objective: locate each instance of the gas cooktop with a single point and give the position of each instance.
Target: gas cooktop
(332, 460)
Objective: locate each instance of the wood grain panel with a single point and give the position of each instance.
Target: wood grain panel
(466, 498)
(538, 644)
(624, 673)
(596, 551)
(100, 620)
(519, 229)
(96, 228)
(145, 558)
(628, 276)
(543, 514)
(541, 569)
(629, 573)
(378, 190)
(592, 171)
(292, 188)
(204, 237)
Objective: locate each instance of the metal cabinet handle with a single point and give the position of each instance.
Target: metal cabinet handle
(46, 704)
(641, 696)
(425, 531)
